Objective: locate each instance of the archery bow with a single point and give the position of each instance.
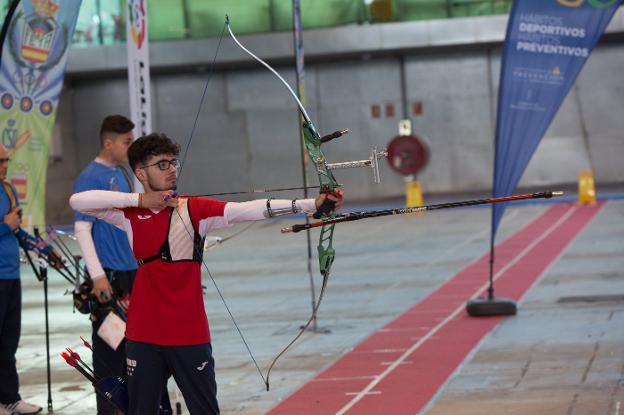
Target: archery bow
(327, 183)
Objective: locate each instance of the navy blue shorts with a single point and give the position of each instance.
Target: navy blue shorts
(192, 367)
(10, 327)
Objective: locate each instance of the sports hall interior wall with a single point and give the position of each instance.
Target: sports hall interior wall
(247, 134)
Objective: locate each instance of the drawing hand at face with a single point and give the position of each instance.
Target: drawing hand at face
(158, 200)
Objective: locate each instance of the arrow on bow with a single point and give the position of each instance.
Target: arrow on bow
(372, 162)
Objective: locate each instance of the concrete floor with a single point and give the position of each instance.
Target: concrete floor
(559, 355)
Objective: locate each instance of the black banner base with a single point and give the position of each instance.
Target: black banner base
(481, 307)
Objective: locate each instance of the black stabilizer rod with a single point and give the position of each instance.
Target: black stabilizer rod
(353, 216)
(335, 134)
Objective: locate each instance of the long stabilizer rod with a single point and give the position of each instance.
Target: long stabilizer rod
(349, 217)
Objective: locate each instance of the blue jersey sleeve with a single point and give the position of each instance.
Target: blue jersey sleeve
(83, 183)
(4, 228)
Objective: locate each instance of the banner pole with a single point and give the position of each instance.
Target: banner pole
(139, 83)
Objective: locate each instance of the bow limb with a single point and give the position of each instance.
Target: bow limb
(301, 331)
(266, 65)
(327, 181)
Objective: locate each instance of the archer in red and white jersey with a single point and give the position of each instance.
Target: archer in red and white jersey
(167, 327)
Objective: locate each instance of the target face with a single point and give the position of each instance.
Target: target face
(407, 154)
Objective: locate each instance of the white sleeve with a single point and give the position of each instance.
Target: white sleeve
(257, 209)
(104, 205)
(82, 230)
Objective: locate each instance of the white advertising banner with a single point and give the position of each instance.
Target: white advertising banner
(138, 67)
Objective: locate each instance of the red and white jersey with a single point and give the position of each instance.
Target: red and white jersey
(166, 306)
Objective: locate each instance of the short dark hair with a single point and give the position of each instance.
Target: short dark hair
(117, 124)
(149, 145)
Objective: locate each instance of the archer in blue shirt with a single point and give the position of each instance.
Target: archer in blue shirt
(111, 244)
(10, 295)
(9, 246)
(106, 249)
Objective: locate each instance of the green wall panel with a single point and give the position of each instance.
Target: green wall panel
(319, 13)
(166, 19)
(206, 17)
(407, 10)
(102, 21)
(464, 8)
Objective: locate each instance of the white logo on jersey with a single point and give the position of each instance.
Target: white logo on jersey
(143, 217)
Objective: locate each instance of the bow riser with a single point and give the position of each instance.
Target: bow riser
(312, 139)
(326, 252)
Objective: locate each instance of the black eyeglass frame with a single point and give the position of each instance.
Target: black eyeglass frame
(161, 163)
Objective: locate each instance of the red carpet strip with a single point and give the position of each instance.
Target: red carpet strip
(399, 368)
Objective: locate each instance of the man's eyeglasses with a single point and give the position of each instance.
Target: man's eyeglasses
(165, 164)
(4, 161)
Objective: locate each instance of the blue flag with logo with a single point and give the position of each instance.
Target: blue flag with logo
(546, 45)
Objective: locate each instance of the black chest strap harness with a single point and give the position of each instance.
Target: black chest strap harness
(177, 246)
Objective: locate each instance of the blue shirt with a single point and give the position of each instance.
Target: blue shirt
(9, 247)
(111, 244)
